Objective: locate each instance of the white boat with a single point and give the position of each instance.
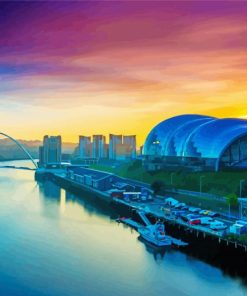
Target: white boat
(155, 234)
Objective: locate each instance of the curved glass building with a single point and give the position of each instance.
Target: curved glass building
(198, 141)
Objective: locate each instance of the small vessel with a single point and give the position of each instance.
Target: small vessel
(155, 234)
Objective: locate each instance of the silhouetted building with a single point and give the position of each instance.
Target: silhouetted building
(85, 147)
(41, 155)
(114, 141)
(130, 142)
(98, 147)
(141, 150)
(122, 147)
(66, 157)
(51, 151)
(123, 152)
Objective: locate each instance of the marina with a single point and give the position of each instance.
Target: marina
(154, 233)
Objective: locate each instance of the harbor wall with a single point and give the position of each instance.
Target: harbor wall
(217, 251)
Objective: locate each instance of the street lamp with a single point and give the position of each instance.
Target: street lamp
(172, 174)
(156, 144)
(240, 187)
(201, 184)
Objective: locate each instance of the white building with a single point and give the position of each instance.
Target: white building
(114, 142)
(131, 142)
(85, 147)
(51, 151)
(99, 146)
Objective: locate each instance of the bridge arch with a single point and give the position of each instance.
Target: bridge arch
(20, 146)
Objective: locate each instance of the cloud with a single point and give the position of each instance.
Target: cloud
(148, 59)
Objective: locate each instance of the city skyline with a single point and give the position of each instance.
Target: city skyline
(94, 67)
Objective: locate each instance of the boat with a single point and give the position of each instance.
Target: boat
(155, 234)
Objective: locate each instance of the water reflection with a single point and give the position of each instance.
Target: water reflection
(56, 243)
(50, 192)
(158, 253)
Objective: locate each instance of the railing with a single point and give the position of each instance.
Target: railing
(196, 193)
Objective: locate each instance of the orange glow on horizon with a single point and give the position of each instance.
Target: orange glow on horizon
(120, 67)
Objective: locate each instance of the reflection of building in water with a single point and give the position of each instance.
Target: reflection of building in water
(51, 190)
(158, 254)
(50, 195)
(62, 202)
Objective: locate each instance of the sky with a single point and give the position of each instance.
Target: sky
(83, 68)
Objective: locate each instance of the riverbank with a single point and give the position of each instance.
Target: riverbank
(73, 238)
(153, 209)
(206, 245)
(219, 190)
(219, 183)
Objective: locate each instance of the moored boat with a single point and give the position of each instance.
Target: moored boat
(155, 234)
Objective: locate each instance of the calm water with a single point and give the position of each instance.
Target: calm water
(53, 243)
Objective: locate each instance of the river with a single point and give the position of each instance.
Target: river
(55, 243)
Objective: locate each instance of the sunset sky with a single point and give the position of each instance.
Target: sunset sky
(75, 68)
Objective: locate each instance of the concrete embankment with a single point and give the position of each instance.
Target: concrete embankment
(227, 255)
(73, 186)
(202, 244)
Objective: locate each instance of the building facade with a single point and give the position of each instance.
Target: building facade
(85, 147)
(114, 142)
(99, 147)
(198, 142)
(91, 178)
(130, 142)
(122, 147)
(51, 151)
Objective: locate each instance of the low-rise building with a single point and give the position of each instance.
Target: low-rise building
(92, 178)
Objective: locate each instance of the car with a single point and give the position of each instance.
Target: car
(204, 212)
(178, 213)
(180, 205)
(184, 217)
(187, 217)
(195, 221)
(213, 214)
(194, 210)
(217, 225)
(238, 229)
(206, 220)
(184, 208)
(171, 201)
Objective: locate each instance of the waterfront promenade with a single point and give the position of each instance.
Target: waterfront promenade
(154, 209)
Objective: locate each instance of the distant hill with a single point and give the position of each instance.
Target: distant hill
(9, 150)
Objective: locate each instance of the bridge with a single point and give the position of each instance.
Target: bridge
(22, 148)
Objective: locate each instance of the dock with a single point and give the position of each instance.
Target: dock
(129, 222)
(133, 224)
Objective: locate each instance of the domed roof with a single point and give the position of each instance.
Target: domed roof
(192, 135)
